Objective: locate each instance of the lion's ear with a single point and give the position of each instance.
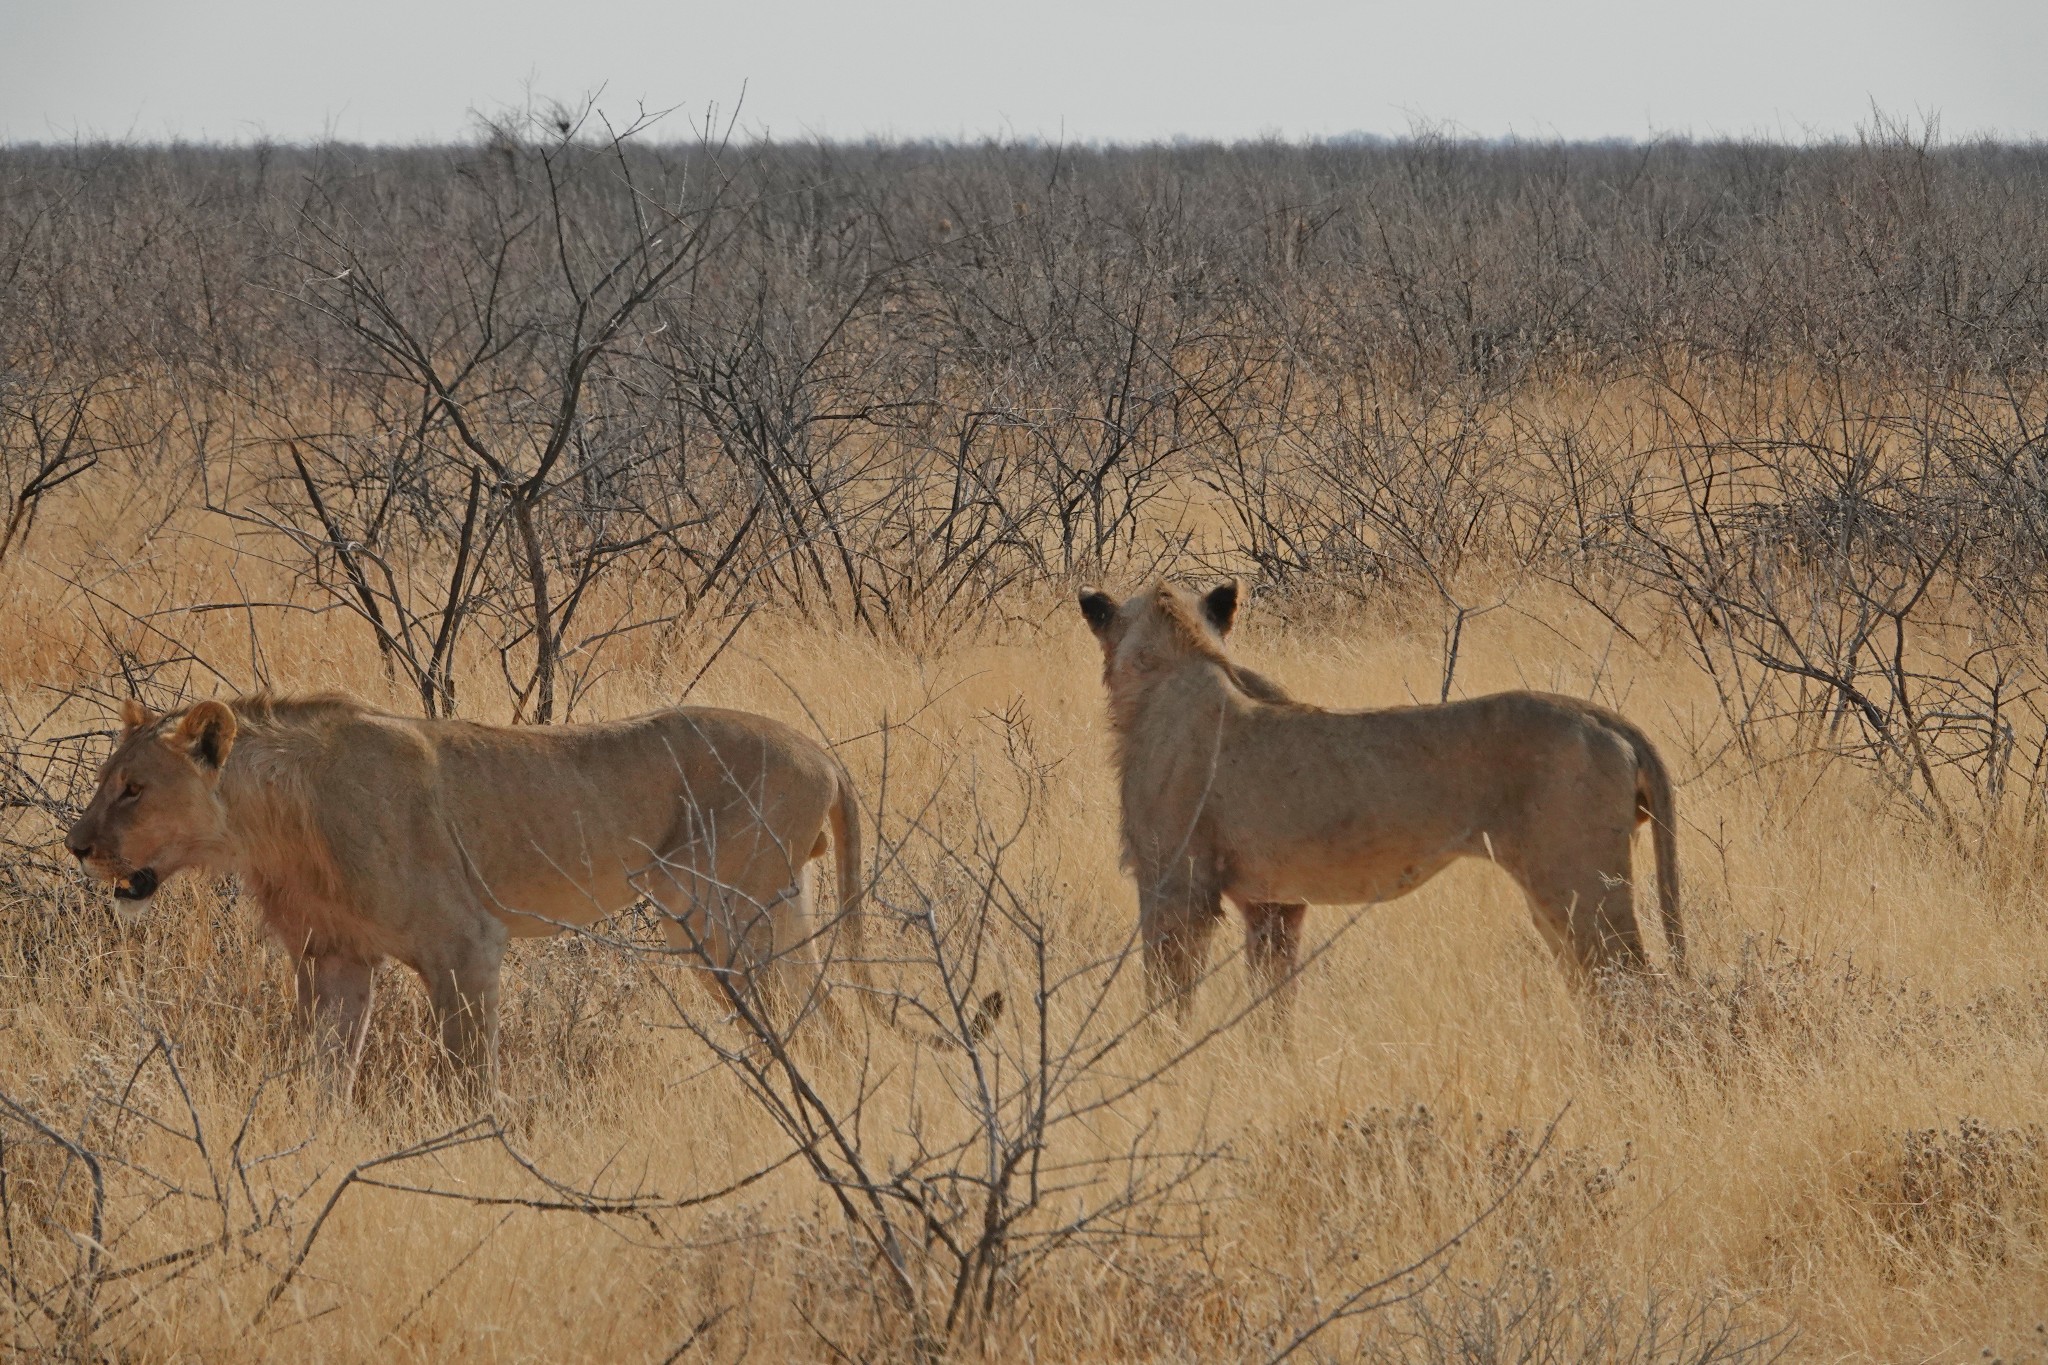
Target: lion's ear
(207, 733)
(1220, 606)
(1099, 608)
(134, 715)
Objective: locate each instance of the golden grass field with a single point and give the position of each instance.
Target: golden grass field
(1829, 1146)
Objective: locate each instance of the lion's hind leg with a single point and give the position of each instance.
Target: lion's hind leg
(787, 952)
(1583, 900)
(751, 940)
(802, 951)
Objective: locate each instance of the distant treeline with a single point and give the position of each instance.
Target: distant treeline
(959, 265)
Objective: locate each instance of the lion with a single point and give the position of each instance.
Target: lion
(366, 836)
(1232, 789)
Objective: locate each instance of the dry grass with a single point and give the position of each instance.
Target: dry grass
(1829, 1146)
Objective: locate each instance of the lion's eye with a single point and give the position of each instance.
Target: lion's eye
(130, 792)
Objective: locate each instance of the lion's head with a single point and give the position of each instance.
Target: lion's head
(1158, 627)
(158, 809)
(1163, 620)
(1154, 632)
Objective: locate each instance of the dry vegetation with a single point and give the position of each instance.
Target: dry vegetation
(1744, 441)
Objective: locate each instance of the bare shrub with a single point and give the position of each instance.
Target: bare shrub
(1975, 1189)
(1528, 1311)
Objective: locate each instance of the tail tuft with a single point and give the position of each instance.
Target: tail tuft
(985, 1018)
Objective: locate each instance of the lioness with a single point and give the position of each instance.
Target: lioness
(365, 836)
(1233, 789)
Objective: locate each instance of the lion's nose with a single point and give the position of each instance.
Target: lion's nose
(80, 849)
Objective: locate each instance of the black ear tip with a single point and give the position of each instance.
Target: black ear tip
(1220, 604)
(1097, 607)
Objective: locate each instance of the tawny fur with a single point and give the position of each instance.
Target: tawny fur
(365, 836)
(1232, 790)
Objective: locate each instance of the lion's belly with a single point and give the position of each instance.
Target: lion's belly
(536, 890)
(1349, 882)
(536, 881)
(1346, 864)
(544, 901)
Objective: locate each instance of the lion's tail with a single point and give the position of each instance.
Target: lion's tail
(1654, 802)
(846, 852)
(846, 849)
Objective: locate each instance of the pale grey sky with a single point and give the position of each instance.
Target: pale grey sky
(1090, 70)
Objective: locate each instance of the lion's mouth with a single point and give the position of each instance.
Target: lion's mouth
(138, 885)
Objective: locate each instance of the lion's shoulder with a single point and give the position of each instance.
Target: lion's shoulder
(309, 709)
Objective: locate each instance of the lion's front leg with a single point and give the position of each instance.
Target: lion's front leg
(458, 947)
(335, 995)
(462, 991)
(1272, 952)
(1177, 912)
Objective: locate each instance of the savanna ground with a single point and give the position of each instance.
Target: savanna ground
(1743, 442)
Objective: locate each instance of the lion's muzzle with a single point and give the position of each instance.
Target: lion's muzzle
(136, 884)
